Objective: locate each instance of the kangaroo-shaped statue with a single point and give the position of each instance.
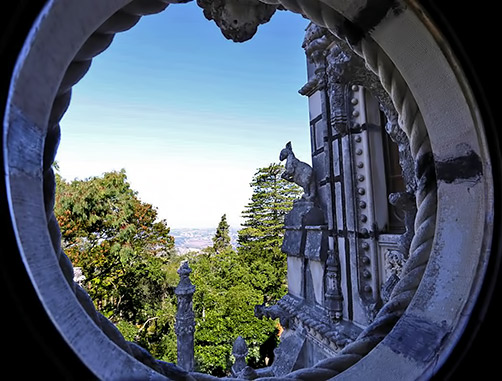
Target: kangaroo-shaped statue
(298, 172)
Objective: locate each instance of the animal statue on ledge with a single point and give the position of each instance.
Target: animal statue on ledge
(298, 172)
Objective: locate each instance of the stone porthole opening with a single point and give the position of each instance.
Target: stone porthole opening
(452, 245)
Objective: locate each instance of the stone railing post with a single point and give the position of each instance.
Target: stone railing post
(185, 319)
(239, 351)
(240, 369)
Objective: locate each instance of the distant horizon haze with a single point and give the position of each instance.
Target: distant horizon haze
(189, 115)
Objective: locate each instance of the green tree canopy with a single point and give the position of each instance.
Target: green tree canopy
(125, 253)
(230, 283)
(224, 303)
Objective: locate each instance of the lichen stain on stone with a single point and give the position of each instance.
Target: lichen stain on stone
(425, 171)
(416, 338)
(368, 18)
(465, 167)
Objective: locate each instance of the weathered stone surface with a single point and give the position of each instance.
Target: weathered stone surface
(239, 351)
(304, 213)
(292, 242)
(185, 319)
(296, 279)
(316, 272)
(417, 338)
(287, 355)
(238, 20)
(316, 244)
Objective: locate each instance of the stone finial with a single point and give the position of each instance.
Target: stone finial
(334, 297)
(239, 351)
(185, 286)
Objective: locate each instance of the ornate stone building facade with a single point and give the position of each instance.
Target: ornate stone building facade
(346, 247)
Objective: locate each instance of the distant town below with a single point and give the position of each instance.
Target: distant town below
(188, 239)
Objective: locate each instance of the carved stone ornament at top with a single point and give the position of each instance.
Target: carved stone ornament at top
(298, 172)
(238, 20)
(316, 41)
(239, 351)
(394, 262)
(272, 312)
(334, 296)
(185, 286)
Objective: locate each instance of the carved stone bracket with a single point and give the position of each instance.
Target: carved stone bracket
(238, 20)
(273, 312)
(334, 335)
(316, 41)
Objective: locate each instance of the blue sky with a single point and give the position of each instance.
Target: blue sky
(188, 114)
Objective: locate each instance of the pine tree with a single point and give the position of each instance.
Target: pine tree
(261, 238)
(221, 239)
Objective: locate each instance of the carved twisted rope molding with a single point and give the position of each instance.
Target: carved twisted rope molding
(99, 41)
(410, 120)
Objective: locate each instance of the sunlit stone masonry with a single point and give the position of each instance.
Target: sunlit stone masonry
(348, 240)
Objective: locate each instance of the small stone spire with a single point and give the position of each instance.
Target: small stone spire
(239, 351)
(185, 319)
(334, 298)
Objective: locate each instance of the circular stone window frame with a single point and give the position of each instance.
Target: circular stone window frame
(413, 62)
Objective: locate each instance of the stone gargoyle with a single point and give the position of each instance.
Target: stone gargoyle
(298, 172)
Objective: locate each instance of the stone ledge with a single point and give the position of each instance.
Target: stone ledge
(332, 336)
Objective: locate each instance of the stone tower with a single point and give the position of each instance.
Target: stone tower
(344, 249)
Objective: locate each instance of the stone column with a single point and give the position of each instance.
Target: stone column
(185, 319)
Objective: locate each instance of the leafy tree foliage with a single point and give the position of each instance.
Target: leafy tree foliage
(125, 254)
(230, 283)
(224, 303)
